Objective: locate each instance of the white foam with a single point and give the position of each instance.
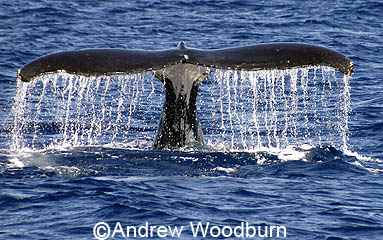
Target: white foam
(360, 157)
(226, 170)
(15, 163)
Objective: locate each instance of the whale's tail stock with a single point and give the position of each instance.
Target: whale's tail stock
(182, 70)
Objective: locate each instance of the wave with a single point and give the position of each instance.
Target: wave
(197, 161)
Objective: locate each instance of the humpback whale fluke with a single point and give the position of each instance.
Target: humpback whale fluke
(182, 70)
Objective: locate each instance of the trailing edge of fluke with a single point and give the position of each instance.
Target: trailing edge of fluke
(182, 70)
(254, 57)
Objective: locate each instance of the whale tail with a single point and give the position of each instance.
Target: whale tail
(182, 70)
(179, 123)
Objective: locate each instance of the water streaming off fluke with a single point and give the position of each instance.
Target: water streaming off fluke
(245, 110)
(279, 108)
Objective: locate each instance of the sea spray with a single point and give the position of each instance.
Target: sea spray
(246, 110)
(280, 108)
(65, 109)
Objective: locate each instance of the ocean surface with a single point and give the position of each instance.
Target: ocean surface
(293, 154)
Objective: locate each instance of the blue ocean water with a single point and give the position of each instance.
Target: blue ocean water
(57, 186)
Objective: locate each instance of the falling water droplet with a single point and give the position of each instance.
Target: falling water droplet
(242, 110)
